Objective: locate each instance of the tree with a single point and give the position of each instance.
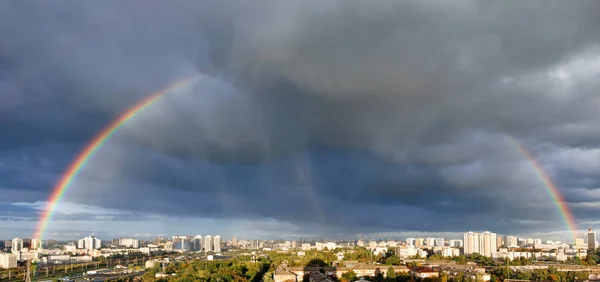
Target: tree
(460, 259)
(443, 276)
(392, 260)
(349, 276)
(391, 274)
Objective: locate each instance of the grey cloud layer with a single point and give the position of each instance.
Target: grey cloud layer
(398, 111)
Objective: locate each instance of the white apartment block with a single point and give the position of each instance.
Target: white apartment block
(430, 242)
(129, 242)
(471, 241)
(488, 244)
(483, 243)
(17, 245)
(456, 243)
(8, 260)
(511, 242)
(440, 242)
(36, 244)
(217, 244)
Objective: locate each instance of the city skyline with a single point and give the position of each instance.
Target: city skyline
(286, 121)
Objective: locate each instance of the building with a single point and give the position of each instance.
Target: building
(17, 245)
(197, 243)
(8, 260)
(305, 247)
(424, 272)
(70, 248)
(89, 243)
(208, 243)
(591, 239)
(510, 242)
(430, 242)
(36, 244)
(488, 244)
(129, 243)
(440, 242)
(169, 246)
(471, 243)
(456, 243)
(419, 242)
(283, 273)
(410, 241)
(499, 241)
(182, 243)
(217, 244)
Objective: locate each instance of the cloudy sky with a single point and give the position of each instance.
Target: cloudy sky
(304, 118)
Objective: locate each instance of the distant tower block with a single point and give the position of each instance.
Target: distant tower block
(591, 237)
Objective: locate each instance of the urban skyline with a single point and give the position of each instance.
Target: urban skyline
(487, 244)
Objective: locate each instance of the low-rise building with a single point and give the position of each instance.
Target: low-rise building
(424, 272)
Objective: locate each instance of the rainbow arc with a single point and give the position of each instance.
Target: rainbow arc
(93, 146)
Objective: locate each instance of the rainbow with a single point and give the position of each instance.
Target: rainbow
(551, 188)
(91, 148)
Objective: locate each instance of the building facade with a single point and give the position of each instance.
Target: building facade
(591, 239)
(8, 261)
(471, 243)
(197, 243)
(217, 244)
(17, 245)
(182, 243)
(208, 243)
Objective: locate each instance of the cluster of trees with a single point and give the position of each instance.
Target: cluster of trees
(360, 254)
(318, 258)
(212, 271)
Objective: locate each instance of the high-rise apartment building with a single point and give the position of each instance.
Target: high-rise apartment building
(419, 242)
(499, 241)
(440, 242)
(36, 244)
(217, 244)
(488, 244)
(8, 261)
(430, 242)
(510, 242)
(208, 243)
(128, 242)
(471, 243)
(182, 243)
(197, 243)
(456, 243)
(410, 241)
(92, 243)
(89, 243)
(17, 245)
(591, 239)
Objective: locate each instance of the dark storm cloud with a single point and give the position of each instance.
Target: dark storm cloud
(358, 116)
